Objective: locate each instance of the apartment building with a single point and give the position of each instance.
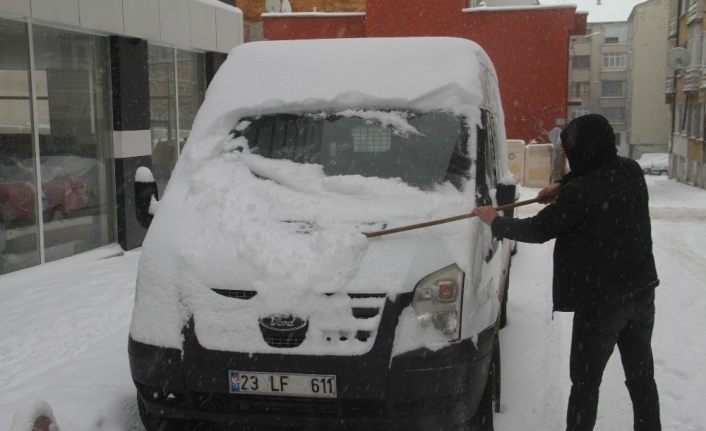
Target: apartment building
(598, 76)
(686, 92)
(89, 91)
(648, 118)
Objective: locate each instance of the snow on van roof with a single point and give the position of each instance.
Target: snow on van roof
(296, 76)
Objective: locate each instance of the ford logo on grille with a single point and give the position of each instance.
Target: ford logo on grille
(283, 323)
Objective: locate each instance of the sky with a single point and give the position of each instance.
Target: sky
(608, 10)
(64, 330)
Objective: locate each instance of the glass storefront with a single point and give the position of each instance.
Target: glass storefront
(19, 227)
(163, 116)
(191, 79)
(66, 130)
(177, 89)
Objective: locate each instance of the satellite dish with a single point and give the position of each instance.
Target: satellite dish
(678, 58)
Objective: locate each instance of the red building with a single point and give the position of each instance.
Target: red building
(529, 46)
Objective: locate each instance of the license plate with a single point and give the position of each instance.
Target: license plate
(301, 385)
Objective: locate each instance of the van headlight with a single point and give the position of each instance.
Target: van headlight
(437, 301)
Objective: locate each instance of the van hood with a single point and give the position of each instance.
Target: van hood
(291, 237)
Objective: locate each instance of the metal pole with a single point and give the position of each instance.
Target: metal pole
(39, 211)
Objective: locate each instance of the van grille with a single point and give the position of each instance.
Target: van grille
(284, 342)
(364, 306)
(239, 294)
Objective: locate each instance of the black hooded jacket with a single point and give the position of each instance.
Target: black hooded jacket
(601, 222)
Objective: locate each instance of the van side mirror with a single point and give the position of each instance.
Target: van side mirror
(145, 190)
(504, 195)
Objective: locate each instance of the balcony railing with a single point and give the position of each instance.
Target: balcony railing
(672, 29)
(669, 88)
(692, 79)
(702, 84)
(695, 12)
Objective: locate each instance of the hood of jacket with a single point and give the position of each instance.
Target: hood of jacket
(588, 142)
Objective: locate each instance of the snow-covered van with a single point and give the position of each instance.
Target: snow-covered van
(261, 304)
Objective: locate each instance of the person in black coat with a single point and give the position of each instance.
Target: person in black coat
(604, 270)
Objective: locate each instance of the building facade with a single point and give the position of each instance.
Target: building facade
(253, 10)
(648, 119)
(89, 91)
(686, 93)
(532, 71)
(599, 76)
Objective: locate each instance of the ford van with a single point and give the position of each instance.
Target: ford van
(261, 303)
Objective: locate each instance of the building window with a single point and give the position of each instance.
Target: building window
(615, 114)
(177, 89)
(575, 112)
(696, 120)
(618, 138)
(615, 33)
(67, 206)
(581, 61)
(615, 60)
(613, 89)
(580, 88)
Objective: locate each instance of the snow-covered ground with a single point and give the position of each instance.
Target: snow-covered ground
(64, 326)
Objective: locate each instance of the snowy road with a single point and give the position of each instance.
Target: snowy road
(63, 334)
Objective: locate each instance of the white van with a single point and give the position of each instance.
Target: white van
(260, 302)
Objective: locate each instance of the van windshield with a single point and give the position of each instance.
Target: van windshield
(423, 149)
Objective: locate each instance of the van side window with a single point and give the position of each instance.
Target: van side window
(459, 170)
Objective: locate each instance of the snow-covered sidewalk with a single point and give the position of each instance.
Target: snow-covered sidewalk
(64, 326)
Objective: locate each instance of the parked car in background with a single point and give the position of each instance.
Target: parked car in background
(654, 163)
(259, 301)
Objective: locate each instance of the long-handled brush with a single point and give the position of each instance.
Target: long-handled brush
(444, 220)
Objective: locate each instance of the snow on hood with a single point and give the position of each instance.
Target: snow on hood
(293, 235)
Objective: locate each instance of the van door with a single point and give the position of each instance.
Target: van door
(494, 251)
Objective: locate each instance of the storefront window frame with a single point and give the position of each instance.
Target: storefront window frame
(174, 90)
(35, 132)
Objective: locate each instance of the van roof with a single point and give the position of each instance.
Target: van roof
(312, 75)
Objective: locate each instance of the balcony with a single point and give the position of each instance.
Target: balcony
(692, 79)
(695, 12)
(669, 87)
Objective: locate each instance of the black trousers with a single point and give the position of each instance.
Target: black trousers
(594, 336)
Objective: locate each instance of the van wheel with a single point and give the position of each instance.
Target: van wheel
(490, 402)
(154, 423)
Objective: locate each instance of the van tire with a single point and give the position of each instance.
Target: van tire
(490, 401)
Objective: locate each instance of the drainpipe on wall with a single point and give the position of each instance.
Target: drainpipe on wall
(674, 80)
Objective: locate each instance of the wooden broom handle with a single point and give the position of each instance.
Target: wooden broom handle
(444, 220)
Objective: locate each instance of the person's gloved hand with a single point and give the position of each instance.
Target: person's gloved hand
(549, 194)
(487, 214)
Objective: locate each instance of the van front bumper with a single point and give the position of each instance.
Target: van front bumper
(418, 390)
